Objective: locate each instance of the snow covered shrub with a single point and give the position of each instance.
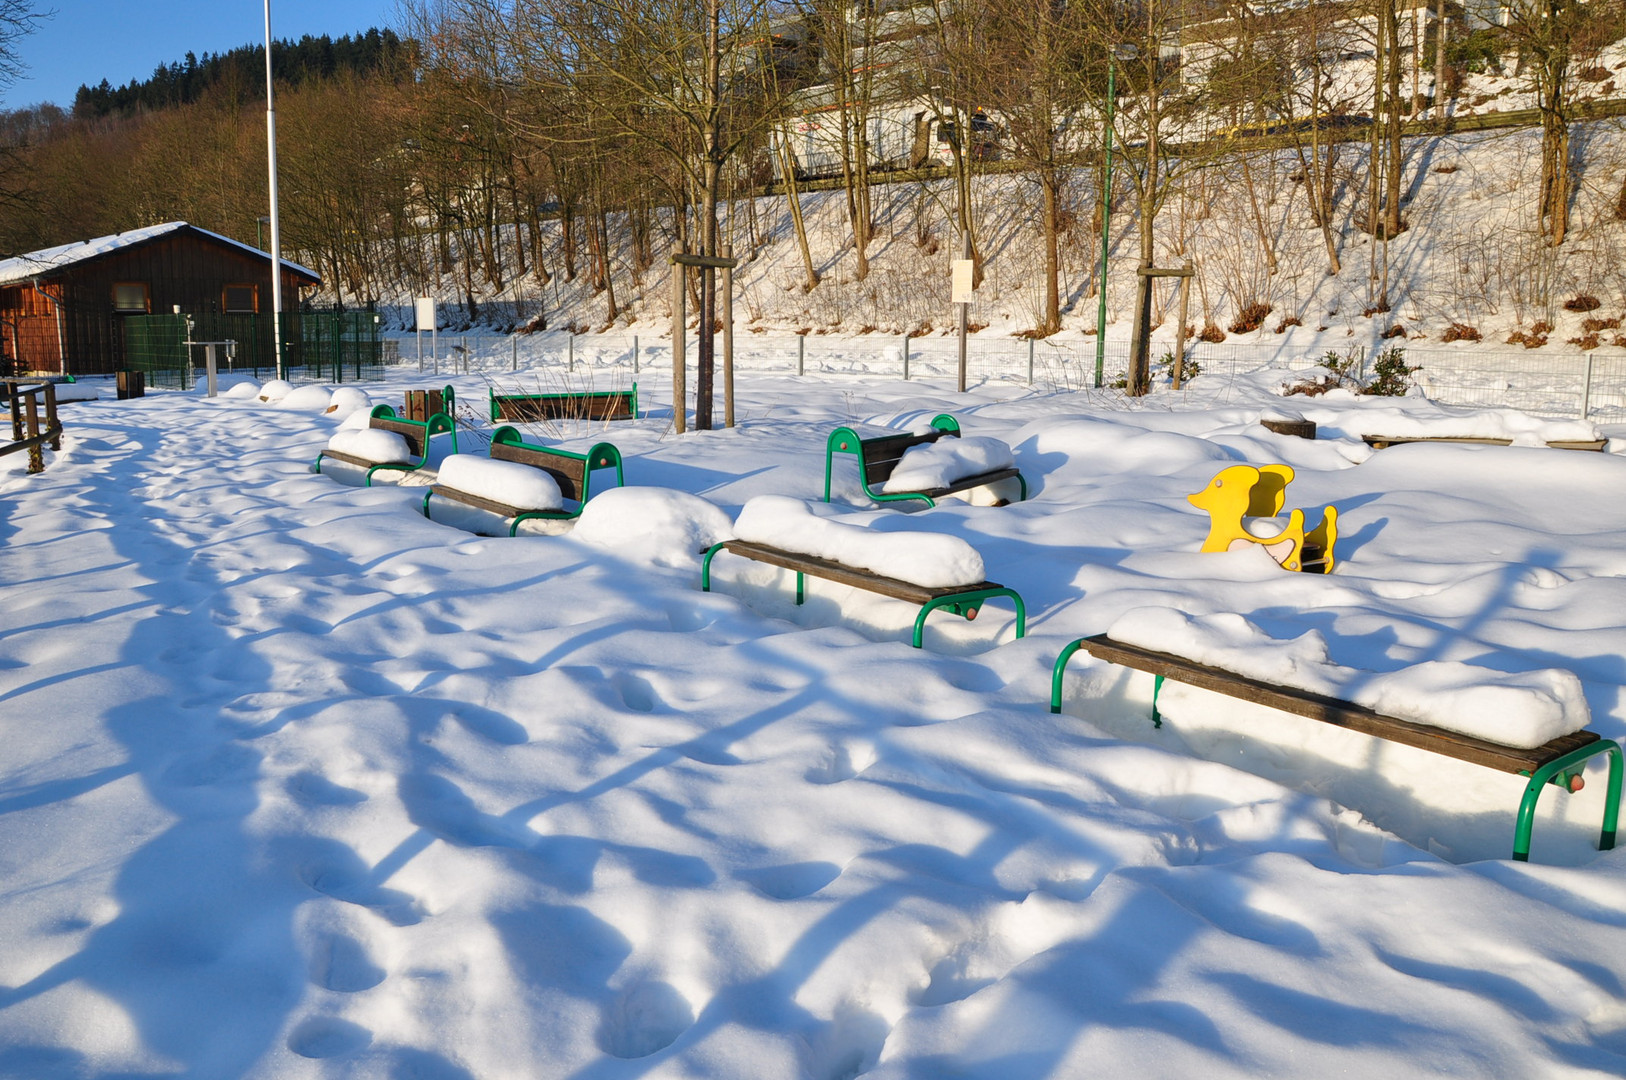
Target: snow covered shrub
(1583, 303)
(1586, 342)
(1291, 320)
(1398, 330)
(1460, 332)
(1591, 325)
(1391, 375)
(1251, 318)
(1211, 333)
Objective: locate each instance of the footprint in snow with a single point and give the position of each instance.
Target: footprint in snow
(314, 789)
(328, 1037)
(343, 877)
(791, 881)
(842, 761)
(848, 1046)
(341, 964)
(643, 1020)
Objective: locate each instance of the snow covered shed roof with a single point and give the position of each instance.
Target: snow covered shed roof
(48, 261)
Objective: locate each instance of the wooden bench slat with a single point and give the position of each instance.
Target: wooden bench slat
(568, 472)
(846, 575)
(479, 502)
(965, 485)
(596, 405)
(1336, 712)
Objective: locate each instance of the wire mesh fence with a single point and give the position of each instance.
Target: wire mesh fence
(1548, 383)
(327, 346)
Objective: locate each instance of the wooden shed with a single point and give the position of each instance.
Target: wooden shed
(62, 310)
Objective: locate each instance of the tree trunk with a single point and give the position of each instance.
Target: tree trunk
(794, 199)
(1051, 322)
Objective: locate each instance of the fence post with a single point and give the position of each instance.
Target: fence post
(1586, 389)
(635, 355)
(801, 353)
(515, 342)
(906, 358)
(1030, 361)
(570, 347)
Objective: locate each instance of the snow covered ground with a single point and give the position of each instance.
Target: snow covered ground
(297, 783)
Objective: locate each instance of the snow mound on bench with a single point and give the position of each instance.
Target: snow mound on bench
(921, 558)
(1523, 709)
(655, 525)
(247, 389)
(507, 482)
(947, 461)
(274, 390)
(371, 444)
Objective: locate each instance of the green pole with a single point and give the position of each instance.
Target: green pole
(1106, 231)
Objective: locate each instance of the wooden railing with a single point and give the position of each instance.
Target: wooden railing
(25, 396)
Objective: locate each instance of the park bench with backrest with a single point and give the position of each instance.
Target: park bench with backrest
(570, 471)
(878, 456)
(414, 433)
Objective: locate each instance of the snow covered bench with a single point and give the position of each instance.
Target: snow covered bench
(388, 442)
(523, 481)
(570, 405)
(932, 570)
(885, 462)
(1558, 760)
(1378, 442)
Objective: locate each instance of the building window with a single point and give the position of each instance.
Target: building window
(131, 296)
(241, 299)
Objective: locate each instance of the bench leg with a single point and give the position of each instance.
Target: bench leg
(1554, 772)
(705, 567)
(1058, 671)
(968, 604)
(801, 587)
(425, 506)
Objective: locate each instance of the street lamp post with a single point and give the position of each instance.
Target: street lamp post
(276, 232)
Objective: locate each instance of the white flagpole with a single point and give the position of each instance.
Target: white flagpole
(276, 231)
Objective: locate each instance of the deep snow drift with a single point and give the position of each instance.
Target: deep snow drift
(300, 784)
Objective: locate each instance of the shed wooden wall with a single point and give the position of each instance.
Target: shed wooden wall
(184, 268)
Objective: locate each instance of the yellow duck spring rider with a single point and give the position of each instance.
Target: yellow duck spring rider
(1244, 505)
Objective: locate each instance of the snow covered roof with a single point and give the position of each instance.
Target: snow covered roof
(50, 260)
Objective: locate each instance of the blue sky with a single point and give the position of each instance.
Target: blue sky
(120, 40)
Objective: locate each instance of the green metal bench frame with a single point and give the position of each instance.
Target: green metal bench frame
(879, 455)
(573, 473)
(566, 405)
(417, 433)
(1559, 762)
(964, 601)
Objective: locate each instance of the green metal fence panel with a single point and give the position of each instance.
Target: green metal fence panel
(339, 346)
(156, 345)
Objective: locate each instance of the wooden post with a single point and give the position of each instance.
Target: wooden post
(680, 390)
(965, 308)
(56, 425)
(1180, 331)
(36, 452)
(1140, 379)
(728, 338)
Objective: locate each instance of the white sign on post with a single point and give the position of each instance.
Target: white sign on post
(962, 289)
(426, 313)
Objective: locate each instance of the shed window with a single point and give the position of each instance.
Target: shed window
(131, 296)
(241, 299)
